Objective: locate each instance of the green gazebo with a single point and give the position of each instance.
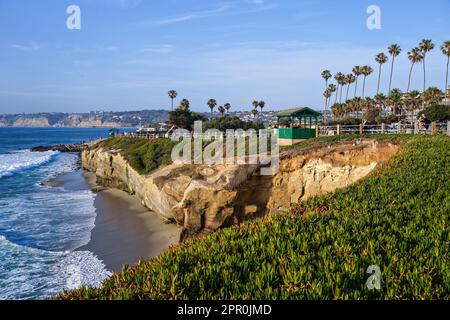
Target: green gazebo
(295, 125)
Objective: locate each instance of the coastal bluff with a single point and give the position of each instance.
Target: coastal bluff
(203, 198)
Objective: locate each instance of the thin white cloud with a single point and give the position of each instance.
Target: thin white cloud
(32, 46)
(196, 15)
(222, 10)
(164, 48)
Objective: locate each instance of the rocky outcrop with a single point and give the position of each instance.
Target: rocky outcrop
(61, 148)
(203, 198)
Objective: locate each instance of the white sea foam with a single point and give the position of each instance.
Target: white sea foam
(42, 227)
(41, 274)
(20, 160)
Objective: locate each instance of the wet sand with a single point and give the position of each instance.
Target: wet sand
(125, 231)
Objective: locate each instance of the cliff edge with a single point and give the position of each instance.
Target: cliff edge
(203, 198)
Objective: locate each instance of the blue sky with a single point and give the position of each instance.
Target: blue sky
(129, 53)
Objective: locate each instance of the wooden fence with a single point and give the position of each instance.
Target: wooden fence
(397, 128)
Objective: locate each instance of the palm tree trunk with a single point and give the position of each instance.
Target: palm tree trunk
(446, 78)
(392, 71)
(356, 86)
(172, 104)
(409, 79)
(340, 96)
(346, 96)
(364, 87)
(424, 73)
(379, 78)
(337, 93)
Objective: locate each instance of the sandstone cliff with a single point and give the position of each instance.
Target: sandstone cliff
(203, 198)
(41, 122)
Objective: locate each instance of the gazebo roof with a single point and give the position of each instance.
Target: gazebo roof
(298, 112)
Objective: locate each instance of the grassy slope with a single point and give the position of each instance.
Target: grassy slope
(396, 218)
(144, 155)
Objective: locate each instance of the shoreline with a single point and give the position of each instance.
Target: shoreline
(125, 231)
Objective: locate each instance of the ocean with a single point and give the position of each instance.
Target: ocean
(41, 227)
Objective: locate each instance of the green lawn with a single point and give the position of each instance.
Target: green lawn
(397, 218)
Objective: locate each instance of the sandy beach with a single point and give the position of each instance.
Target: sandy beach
(124, 231)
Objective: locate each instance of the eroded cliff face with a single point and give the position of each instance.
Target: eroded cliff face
(31, 122)
(203, 198)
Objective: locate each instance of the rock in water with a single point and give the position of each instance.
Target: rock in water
(60, 148)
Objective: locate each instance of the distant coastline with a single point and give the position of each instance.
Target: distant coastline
(94, 119)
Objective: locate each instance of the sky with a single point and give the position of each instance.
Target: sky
(129, 53)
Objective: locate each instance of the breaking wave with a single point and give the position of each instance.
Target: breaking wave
(20, 160)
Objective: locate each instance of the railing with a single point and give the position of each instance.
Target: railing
(397, 128)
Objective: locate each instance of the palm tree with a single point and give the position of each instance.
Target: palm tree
(367, 105)
(412, 101)
(254, 112)
(394, 51)
(426, 45)
(184, 104)
(445, 48)
(350, 79)
(212, 103)
(227, 106)
(366, 71)
(394, 100)
(415, 56)
(255, 104)
(327, 95)
(337, 110)
(261, 105)
(331, 88)
(326, 74)
(432, 96)
(221, 110)
(357, 104)
(380, 100)
(338, 78)
(381, 58)
(343, 84)
(357, 72)
(172, 95)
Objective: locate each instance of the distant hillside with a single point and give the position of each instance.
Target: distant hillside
(85, 120)
(111, 119)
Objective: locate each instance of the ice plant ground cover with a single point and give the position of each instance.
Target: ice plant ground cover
(396, 218)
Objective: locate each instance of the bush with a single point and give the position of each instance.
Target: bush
(184, 118)
(436, 113)
(227, 122)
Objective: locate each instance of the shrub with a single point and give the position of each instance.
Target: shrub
(436, 113)
(227, 122)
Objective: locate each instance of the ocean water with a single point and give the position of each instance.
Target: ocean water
(41, 227)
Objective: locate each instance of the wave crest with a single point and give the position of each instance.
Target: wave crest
(21, 160)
